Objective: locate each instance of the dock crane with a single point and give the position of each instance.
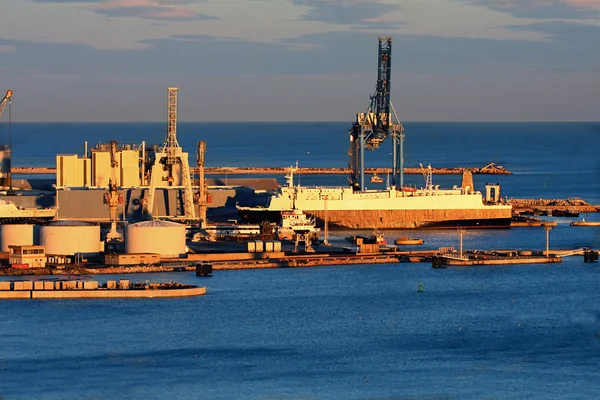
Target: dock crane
(171, 165)
(6, 166)
(379, 121)
(112, 198)
(201, 196)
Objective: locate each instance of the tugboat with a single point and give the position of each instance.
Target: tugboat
(376, 179)
(406, 241)
(295, 222)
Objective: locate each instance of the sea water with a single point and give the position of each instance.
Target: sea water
(347, 332)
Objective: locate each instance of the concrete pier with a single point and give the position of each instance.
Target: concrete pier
(91, 290)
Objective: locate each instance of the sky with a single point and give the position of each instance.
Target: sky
(300, 60)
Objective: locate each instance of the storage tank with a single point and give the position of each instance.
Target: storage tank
(160, 237)
(15, 235)
(70, 237)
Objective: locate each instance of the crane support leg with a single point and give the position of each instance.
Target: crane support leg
(362, 161)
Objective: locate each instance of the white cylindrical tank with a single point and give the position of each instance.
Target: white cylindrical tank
(160, 237)
(70, 237)
(15, 235)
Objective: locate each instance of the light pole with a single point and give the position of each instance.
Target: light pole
(326, 240)
(461, 232)
(547, 229)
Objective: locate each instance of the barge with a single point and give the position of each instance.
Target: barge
(68, 289)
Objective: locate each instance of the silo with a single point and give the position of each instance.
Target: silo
(160, 237)
(70, 237)
(15, 235)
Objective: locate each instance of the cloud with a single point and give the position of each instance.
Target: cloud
(567, 47)
(544, 9)
(160, 10)
(433, 77)
(348, 12)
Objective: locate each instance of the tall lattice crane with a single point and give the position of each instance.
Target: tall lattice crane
(6, 164)
(172, 160)
(378, 122)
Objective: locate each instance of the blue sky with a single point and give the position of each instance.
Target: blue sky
(300, 60)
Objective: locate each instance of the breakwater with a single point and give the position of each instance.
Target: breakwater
(574, 204)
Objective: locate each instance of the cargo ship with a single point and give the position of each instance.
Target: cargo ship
(392, 208)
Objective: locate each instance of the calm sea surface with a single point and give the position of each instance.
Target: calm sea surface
(349, 332)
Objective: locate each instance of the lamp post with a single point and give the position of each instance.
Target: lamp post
(547, 229)
(326, 240)
(461, 232)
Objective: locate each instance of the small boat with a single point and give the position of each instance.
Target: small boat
(409, 189)
(376, 178)
(408, 241)
(583, 222)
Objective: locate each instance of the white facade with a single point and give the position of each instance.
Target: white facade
(159, 237)
(32, 256)
(15, 235)
(70, 238)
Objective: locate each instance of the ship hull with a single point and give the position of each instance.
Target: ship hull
(395, 219)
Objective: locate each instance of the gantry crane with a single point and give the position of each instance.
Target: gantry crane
(378, 122)
(112, 198)
(201, 197)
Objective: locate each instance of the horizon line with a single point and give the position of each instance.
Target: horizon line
(304, 122)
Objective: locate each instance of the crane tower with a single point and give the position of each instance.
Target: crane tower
(379, 121)
(171, 167)
(6, 151)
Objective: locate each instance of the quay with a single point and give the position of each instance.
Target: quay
(86, 289)
(334, 257)
(285, 171)
(441, 261)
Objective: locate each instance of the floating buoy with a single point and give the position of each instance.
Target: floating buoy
(420, 288)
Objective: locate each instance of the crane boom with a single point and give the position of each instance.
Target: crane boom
(5, 100)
